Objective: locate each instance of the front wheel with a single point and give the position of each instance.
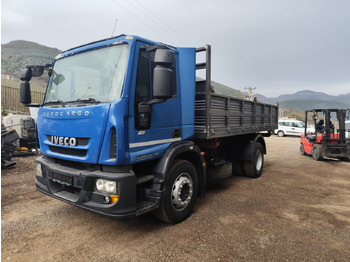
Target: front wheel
(302, 150)
(180, 193)
(317, 152)
(254, 168)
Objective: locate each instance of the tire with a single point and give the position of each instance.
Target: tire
(280, 133)
(317, 152)
(219, 172)
(180, 193)
(302, 150)
(254, 168)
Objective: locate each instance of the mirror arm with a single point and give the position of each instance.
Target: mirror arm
(146, 107)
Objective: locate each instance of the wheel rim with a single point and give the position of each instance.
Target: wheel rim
(259, 160)
(315, 152)
(182, 191)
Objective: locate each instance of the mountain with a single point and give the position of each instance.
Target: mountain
(312, 104)
(345, 98)
(307, 99)
(306, 95)
(17, 54)
(264, 99)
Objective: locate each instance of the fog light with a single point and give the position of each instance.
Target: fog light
(39, 171)
(107, 200)
(106, 186)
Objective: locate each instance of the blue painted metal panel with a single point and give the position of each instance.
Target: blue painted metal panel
(146, 153)
(166, 116)
(86, 123)
(187, 78)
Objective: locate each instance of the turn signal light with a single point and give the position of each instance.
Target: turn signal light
(114, 198)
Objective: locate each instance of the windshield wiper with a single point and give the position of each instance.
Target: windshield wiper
(55, 102)
(85, 100)
(88, 100)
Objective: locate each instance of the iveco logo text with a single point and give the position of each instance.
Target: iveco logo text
(63, 141)
(68, 113)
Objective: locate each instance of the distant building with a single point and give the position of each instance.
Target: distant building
(8, 77)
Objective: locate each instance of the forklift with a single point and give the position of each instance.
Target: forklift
(329, 139)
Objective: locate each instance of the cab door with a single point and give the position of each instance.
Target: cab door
(151, 131)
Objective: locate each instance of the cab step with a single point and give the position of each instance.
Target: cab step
(144, 179)
(144, 207)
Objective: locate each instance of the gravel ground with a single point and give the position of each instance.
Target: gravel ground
(299, 210)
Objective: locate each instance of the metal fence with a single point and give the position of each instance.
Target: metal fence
(10, 99)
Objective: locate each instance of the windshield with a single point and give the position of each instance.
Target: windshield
(96, 75)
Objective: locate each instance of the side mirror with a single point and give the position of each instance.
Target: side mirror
(25, 97)
(27, 74)
(37, 71)
(164, 84)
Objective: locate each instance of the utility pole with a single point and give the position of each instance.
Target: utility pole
(250, 91)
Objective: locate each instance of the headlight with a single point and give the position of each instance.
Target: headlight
(39, 171)
(106, 186)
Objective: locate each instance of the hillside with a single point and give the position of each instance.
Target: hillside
(225, 90)
(17, 54)
(308, 99)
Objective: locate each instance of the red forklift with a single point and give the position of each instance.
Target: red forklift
(329, 138)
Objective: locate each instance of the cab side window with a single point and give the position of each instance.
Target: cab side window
(142, 91)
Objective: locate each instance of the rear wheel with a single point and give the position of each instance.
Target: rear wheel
(180, 193)
(302, 150)
(254, 168)
(317, 152)
(280, 133)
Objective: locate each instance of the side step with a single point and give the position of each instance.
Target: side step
(144, 207)
(144, 179)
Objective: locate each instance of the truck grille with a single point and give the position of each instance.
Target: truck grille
(80, 141)
(68, 151)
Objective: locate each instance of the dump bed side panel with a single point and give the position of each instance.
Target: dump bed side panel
(229, 116)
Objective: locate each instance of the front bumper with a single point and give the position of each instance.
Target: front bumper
(80, 189)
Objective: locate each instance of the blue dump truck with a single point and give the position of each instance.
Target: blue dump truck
(126, 128)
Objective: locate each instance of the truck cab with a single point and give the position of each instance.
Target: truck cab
(109, 105)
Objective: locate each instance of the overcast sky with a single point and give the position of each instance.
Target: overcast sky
(277, 46)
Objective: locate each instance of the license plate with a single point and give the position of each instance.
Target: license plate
(62, 179)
